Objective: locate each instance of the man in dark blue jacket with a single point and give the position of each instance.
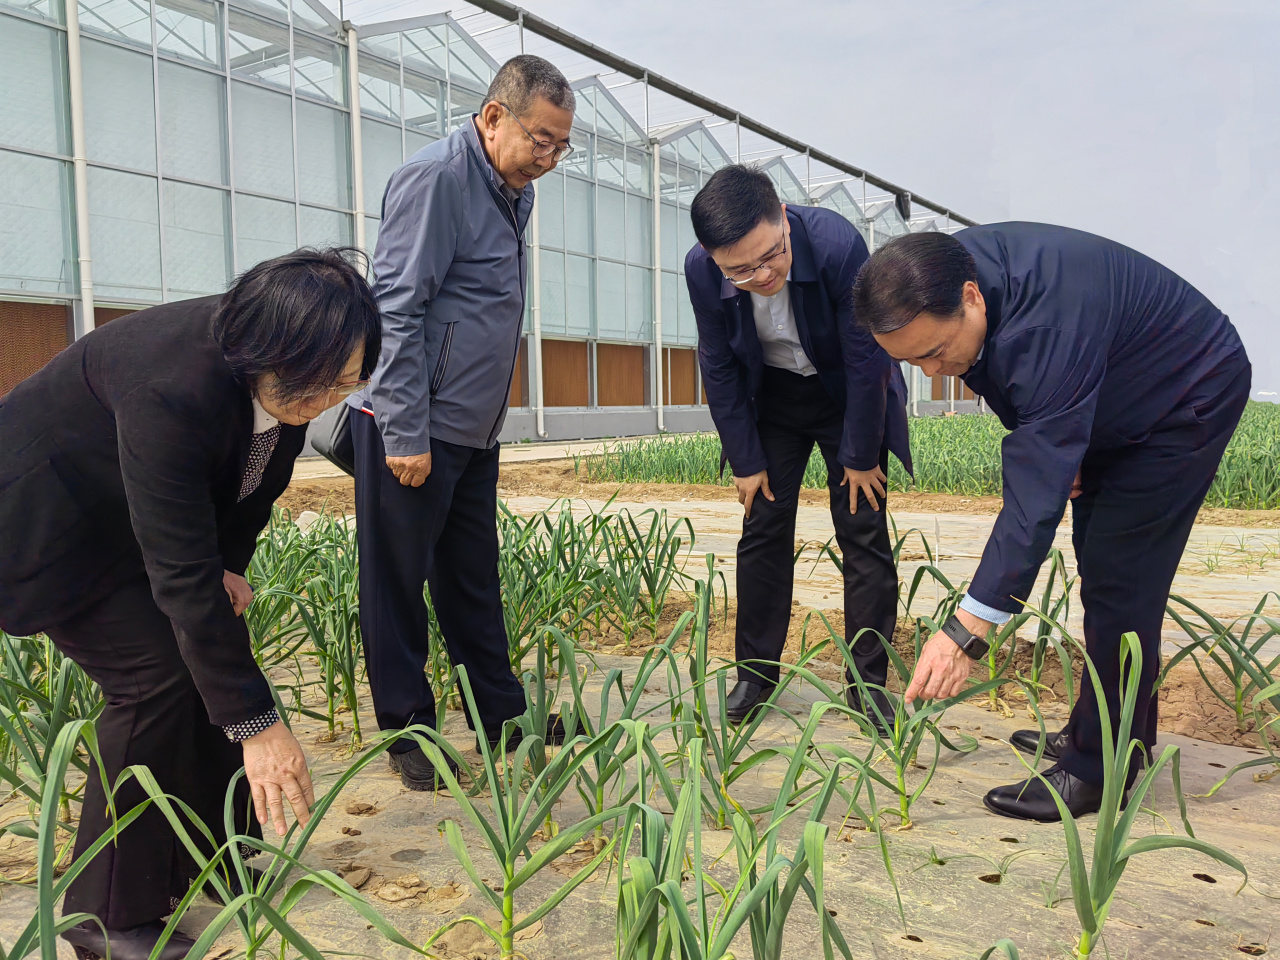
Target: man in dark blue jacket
(1121, 385)
(785, 366)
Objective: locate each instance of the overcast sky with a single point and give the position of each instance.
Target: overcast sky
(1153, 122)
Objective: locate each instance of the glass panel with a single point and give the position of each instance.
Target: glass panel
(119, 106)
(689, 150)
(323, 228)
(36, 251)
(686, 323)
(304, 15)
(639, 230)
(464, 104)
(551, 210)
(264, 229)
(611, 123)
(667, 175)
(584, 113)
(371, 227)
(259, 49)
(382, 149)
(553, 297)
(275, 9)
(609, 162)
(324, 174)
(581, 161)
(713, 155)
(127, 20)
(578, 296)
(197, 251)
(610, 238)
(639, 303)
(379, 88)
(383, 45)
(263, 125)
(193, 123)
(124, 234)
(422, 102)
(670, 318)
(672, 254)
(317, 68)
(465, 62)
(414, 141)
(579, 216)
(424, 47)
(189, 29)
(49, 9)
(639, 172)
(690, 182)
(687, 238)
(33, 109)
(611, 299)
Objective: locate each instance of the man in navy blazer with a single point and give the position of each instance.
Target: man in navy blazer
(785, 366)
(1121, 385)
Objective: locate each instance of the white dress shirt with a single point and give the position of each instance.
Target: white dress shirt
(779, 336)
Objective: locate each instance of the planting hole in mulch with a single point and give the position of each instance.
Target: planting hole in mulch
(1207, 923)
(1010, 840)
(913, 938)
(1205, 877)
(991, 878)
(1252, 949)
(408, 856)
(1220, 766)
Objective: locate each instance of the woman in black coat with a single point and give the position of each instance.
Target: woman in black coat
(139, 467)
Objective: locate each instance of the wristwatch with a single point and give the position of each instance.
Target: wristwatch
(974, 646)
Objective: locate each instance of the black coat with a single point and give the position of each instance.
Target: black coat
(123, 458)
(1090, 346)
(827, 253)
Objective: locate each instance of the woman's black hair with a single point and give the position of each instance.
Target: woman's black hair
(733, 202)
(910, 275)
(299, 317)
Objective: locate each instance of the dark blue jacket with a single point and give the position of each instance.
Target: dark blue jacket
(827, 253)
(1090, 346)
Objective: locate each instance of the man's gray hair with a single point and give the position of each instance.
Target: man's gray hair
(525, 79)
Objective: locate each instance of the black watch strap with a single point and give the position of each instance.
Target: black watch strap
(974, 646)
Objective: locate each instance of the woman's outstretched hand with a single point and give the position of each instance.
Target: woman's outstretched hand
(276, 769)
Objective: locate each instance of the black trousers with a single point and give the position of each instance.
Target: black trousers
(153, 716)
(794, 413)
(445, 533)
(1129, 528)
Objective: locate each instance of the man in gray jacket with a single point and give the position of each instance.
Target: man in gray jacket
(451, 271)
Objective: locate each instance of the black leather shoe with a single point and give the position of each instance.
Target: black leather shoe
(135, 943)
(744, 699)
(1031, 799)
(554, 736)
(1028, 741)
(853, 697)
(419, 773)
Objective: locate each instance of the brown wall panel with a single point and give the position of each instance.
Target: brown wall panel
(939, 388)
(619, 375)
(520, 377)
(30, 335)
(104, 315)
(564, 369)
(680, 387)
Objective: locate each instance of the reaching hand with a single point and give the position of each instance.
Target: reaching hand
(940, 672)
(238, 590)
(748, 487)
(870, 482)
(276, 768)
(411, 471)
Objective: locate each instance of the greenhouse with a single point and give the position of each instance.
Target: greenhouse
(155, 151)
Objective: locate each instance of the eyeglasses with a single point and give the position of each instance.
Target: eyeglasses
(746, 276)
(541, 148)
(344, 389)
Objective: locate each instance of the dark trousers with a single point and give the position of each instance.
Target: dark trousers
(794, 413)
(154, 717)
(1129, 529)
(445, 533)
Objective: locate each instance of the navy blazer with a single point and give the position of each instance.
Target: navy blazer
(1090, 346)
(827, 253)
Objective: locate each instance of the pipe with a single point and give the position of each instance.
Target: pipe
(357, 139)
(536, 310)
(660, 379)
(80, 172)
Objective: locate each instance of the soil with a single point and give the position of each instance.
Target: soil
(556, 478)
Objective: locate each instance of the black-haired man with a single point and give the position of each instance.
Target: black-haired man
(1121, 385)
(785, 366)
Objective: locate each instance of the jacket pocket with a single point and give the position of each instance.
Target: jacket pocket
(437, 378)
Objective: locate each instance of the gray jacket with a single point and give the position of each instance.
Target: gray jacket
(451, 268)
